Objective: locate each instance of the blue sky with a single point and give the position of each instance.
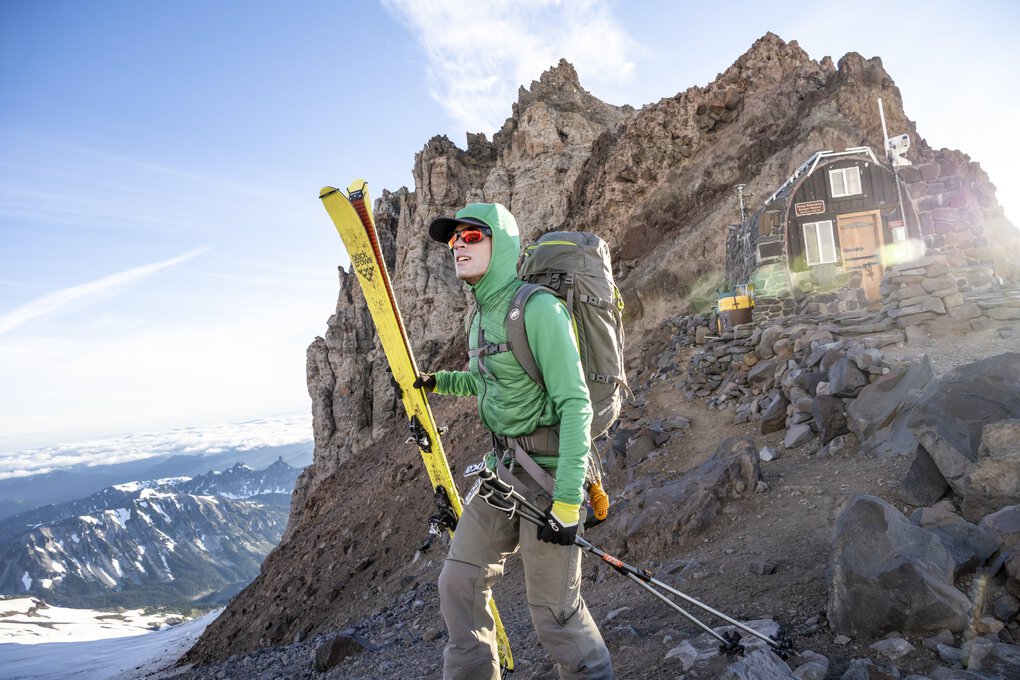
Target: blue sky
(164, 258)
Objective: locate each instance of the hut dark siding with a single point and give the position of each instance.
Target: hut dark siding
(878, 192)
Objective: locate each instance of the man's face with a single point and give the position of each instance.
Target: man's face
(471, 260)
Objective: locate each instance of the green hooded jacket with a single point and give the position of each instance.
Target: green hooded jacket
(509, 402)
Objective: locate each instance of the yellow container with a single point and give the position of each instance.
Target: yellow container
(731, 302)
(733, 309)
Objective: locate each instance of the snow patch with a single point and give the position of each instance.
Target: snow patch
(166, 568)
(58, 568)
(120, 516)
(26, 581)
(75, 538)
(89, 519)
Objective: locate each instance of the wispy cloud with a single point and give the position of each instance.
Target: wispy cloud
(480, 52)
(88, 292)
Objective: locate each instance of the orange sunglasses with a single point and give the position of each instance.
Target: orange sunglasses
(470, 236)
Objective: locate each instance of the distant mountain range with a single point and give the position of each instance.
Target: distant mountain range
(172, 541)
(20, 494)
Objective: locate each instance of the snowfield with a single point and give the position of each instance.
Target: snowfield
(54, 643)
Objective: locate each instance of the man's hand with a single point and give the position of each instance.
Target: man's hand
(426, 380)
(560, 524)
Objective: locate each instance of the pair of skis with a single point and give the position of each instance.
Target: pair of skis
(352, 216)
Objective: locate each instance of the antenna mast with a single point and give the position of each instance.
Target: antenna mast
(740, 198)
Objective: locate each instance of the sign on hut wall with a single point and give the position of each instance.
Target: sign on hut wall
(809, 208)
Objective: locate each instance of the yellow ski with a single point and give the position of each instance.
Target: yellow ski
(352, 215)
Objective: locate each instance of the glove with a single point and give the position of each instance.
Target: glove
(560, 524)
(426, 380)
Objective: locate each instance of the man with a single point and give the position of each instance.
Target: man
(484, 242)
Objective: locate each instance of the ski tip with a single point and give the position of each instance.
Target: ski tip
(326, 191)
(358, 185)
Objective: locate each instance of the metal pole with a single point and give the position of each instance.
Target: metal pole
(740, 197)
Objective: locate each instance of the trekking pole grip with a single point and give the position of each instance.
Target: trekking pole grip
(489, 477)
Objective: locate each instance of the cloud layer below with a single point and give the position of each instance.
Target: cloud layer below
(242, 436)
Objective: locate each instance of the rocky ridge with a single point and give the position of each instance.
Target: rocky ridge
(654, 180)
(168, 542)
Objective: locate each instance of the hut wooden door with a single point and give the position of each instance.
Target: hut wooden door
(860, 242)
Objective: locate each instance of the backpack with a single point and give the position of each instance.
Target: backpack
(575, 267)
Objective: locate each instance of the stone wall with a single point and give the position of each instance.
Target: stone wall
(931, 293)
(959, 216)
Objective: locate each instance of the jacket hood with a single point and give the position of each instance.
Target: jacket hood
(506, 247)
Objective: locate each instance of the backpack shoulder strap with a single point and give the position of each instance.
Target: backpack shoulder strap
(517, 333)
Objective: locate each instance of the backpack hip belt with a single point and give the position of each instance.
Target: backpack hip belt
(543, 441)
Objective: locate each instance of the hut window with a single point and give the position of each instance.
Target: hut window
(845, 181)
(818, 242)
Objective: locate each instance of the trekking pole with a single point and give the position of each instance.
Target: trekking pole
(730, 641)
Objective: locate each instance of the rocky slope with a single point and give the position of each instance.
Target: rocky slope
(657, 184)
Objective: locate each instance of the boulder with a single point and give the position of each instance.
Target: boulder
(892, 648)
(994, 480)
(969, 545)
(1004, 525)
(923, 484)
(333, 651)
(814, 666)
(993, 658)
(950, 416)
(773, 416)
(705, 646)
(799, 433)
(865, 669)
(845, 379)
(808, 380)
(830, 417)
(843, 445)
(756, 665)
(640, 447)
(661, 516)
(762, 375)
(888, 575)
(874, 415)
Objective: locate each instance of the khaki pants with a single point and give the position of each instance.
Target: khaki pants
(552, 574)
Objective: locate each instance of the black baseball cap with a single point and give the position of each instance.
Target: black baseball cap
(442, 227)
